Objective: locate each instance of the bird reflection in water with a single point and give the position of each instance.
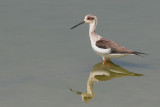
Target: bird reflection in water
(101, 72)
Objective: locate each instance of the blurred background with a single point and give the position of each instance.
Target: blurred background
(41, 58)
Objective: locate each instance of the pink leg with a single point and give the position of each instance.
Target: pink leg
(104, 60)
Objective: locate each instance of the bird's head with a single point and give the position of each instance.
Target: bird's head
(88, 19)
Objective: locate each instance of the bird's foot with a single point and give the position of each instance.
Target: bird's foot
(107, 63)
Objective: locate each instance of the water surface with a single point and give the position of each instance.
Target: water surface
(41, 58)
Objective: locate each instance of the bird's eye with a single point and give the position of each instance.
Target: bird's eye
(90, 18)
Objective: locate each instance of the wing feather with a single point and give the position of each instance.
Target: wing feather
(115, 48)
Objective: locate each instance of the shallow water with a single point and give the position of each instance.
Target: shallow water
(41, 58)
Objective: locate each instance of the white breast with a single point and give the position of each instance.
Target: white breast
(99, 51)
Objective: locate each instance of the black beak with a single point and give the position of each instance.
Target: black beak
(77, 25)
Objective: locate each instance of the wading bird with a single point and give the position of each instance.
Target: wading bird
(104, 47)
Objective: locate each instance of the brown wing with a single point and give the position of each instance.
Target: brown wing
(115, 48)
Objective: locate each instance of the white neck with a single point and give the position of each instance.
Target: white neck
(93, 36)
(92, 27)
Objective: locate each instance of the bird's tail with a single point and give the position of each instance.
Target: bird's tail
(138, 53)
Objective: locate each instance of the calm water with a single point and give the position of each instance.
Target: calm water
(41, 58)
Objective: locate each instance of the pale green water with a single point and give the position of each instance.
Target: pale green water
(41, 58)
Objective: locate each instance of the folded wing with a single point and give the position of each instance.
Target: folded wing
(115, 48)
